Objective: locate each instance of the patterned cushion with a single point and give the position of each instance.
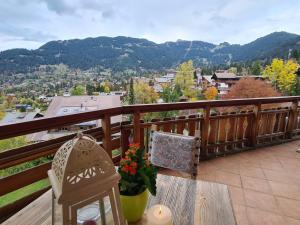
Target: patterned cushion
(173, 151)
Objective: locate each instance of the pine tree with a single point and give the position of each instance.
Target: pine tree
(131, 93)
(295, 54)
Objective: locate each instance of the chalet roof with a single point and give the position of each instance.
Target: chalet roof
(64, 105)
(208, 78)
(15, 117)
(225, 75)
(162, 79)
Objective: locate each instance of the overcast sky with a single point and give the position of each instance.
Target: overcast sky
(31, 23)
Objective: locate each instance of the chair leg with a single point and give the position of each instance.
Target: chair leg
(102, 211)
(73, 215)
(66, 215)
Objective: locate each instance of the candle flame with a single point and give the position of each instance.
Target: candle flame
(159, 210)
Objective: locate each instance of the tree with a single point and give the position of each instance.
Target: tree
(232, 70)
(282, 75)
(211, 93)
(11, 143)
(144, 94)
(131, 100)
(77, 90)
(295, 54)
(185, 76)
(106, 86)
(10, 101)
(90, 88)
(248, 87)
(2, 112)
(61, 69)
(256, 68)
(169, 94)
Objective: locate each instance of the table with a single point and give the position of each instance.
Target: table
(191, 202)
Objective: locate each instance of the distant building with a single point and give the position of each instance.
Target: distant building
(117, 93)
(158, 88)
(169, 76)
(45, 99)
(18, 117)
(162, 80)
(64, 105)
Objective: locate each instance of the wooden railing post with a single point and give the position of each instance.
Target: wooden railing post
(136, 127)
(106, 126)
(125, 134)
(204, 131)
(292, 119)
(255, 125)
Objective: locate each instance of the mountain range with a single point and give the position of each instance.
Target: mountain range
(120, 53)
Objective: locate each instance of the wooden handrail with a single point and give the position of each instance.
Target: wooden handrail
(41, 124)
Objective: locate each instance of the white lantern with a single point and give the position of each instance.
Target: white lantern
(82, 173)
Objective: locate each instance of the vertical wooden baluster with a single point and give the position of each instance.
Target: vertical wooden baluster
(255, 125)
(204, 132)
(192, 125)
(240, 129)
(154, 121)
(167, 127)
(180, 125)
(231, 136)
(248, 129)
(212, 135)
(142, 134)
(298, 121)
(293, 117)
(270, 125)
(137, 127)
(106, 125)
(125, 134)
(262, 126)
(283, 123)
(222, 132)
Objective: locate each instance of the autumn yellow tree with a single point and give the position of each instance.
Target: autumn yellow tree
(282, 75)
(211, 93)
(185, 77)
(2, 114)
(143, 93)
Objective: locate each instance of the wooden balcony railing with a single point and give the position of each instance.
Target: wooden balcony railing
(220, 133)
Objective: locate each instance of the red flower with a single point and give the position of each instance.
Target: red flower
(134, 145)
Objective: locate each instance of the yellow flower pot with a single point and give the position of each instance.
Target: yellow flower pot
(134, 206)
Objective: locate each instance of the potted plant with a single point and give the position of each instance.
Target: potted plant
(138, 177)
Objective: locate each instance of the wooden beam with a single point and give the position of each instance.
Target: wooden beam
(106, 125)
(136, 127)
(24, 178)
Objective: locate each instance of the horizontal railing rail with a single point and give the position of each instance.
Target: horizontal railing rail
(41, 124)
(248, 124)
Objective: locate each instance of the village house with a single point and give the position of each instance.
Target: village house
(64, 105)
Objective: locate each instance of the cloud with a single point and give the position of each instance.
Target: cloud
(24, 34)
(32, 23)
(59, 6)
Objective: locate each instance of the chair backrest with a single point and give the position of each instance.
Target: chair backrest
(174, 151)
